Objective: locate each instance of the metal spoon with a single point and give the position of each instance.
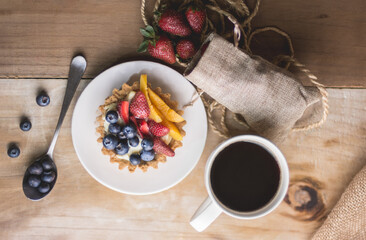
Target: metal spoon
(77, 69)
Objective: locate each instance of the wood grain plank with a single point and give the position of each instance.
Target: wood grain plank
(38, 38)
(328, 37)
(81, 208)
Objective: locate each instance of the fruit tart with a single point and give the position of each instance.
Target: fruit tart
(140, 127)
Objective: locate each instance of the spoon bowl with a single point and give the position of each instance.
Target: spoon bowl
(32, 192)
(40, 177)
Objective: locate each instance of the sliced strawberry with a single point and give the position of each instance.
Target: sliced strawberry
(143, 127)
(139, 107)
(157, 129)
(161, 147)
(133, 119)
(123, 110)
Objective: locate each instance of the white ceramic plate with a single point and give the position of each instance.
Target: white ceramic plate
(168, 174)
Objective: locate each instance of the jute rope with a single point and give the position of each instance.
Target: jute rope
(243, 10)
(240, 29)
(142, 9)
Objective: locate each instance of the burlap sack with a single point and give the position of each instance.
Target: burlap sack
(269, 98)
(347, 220)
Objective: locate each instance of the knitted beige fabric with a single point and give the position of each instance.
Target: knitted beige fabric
(347, 220)
(269, 98)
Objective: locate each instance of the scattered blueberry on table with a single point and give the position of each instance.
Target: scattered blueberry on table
(111, 116)
(110, 141)
(25, 125)
(147, 156)
(13, 151)
(43, 99)
(135, 159)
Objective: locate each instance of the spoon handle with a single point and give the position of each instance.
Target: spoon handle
(77, 69)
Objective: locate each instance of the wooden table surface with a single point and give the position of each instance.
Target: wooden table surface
(37, 41)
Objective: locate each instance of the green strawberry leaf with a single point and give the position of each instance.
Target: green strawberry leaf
(143, 46)
(146, 33)
(151, 30)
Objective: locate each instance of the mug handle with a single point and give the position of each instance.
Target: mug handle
(205, 215)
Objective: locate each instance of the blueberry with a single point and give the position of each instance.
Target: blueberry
(44, 187)
(35, 168)
(47, 164)
(147, 144)
(48, 177)
(110, 141)
(135, 159)
(25, 124)
(129, 131)
(13, 151)
(147, 156)
(111, 116)
(134, 142)
(122, 147)
(114, 128)
(43, 99)
(34, 181)
(121, 136)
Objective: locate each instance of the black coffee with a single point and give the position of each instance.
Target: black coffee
(244, 176)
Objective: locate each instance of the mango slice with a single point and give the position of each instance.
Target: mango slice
(174, 131)
(163, 108)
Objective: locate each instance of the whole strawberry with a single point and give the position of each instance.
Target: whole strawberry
(173, 22)
(161, 147)
(157, 129)
(196, 18)
(159, 47)
(163, 50)
(185, 49)
(139, 107)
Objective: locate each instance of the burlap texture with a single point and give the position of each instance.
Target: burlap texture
(347, 220)
(269, 98)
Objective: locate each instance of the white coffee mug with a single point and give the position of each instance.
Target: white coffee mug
(211, 208)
